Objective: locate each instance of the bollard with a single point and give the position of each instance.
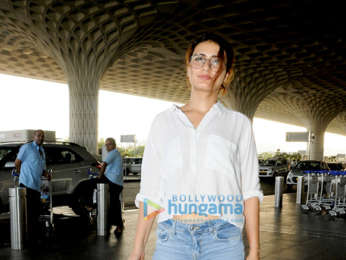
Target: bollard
(279, 180)
(102, 209)
(17, 198)
(300, 190)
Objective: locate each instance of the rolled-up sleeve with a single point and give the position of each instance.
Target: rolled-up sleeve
(150, 172)
(249, 163)
(22, 152)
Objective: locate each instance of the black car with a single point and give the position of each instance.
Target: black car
(302, 167)
(336, 166)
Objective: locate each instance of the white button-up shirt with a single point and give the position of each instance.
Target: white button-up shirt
(208, 170)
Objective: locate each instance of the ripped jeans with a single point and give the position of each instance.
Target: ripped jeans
(211, 240)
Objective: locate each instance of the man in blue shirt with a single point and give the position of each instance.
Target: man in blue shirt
(111, 172)
(31, 165)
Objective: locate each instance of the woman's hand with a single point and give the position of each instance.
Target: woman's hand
(253, 255)
(137, 255)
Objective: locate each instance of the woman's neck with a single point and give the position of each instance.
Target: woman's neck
(201, 102)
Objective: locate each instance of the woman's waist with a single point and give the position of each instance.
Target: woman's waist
(194, 218)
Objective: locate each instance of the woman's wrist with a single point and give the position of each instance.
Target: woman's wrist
(254, 248)
(254, 251)
(137, 253)
(138, 249)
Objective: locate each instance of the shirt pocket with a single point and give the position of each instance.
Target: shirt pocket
(220, 155)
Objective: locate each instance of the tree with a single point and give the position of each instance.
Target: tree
(132, 151)
(265, 155)
(100, 144)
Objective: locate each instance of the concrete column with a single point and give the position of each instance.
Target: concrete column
(315, 147)
(83, 92)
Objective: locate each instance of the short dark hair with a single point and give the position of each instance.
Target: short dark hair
(112, 141)
(38, 130)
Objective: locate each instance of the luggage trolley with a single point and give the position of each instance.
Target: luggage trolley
(338, 188)
(313, 190)
(325, 199)
(47, 214)
(93, 207)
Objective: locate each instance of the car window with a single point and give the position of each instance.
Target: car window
(59, 155)
(7, 154)
(279, 163)
(268, 163)
(335, 166)
(138, 160)
(4, 151)
(310, 166)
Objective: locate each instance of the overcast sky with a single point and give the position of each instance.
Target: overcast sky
(31, 104)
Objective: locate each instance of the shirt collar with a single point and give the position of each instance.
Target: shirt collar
(218, 106)
(36, 145)
(216, 109)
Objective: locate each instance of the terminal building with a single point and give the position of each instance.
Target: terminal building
(289, 62)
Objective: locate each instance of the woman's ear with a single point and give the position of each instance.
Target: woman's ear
(188, 71)
(228, 77)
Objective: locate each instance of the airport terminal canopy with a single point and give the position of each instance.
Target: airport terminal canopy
(290, 55)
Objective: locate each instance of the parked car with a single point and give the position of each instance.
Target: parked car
(132, 165)
(70, 164)
(336, 166)
(301, 167)
(273, 167)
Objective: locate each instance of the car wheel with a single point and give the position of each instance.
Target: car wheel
(82, 199)
(289, 187)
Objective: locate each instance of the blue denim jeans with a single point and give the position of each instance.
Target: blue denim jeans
(211, 240)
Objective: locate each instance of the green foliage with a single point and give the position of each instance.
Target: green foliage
(100, 143)
(265, 156)
(131, 151)
(288, 156)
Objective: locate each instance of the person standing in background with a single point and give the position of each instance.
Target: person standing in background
(31, 165)
(111, 172)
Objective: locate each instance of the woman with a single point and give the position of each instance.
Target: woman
(200, 169)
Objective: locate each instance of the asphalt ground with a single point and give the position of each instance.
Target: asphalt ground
(286, 233)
